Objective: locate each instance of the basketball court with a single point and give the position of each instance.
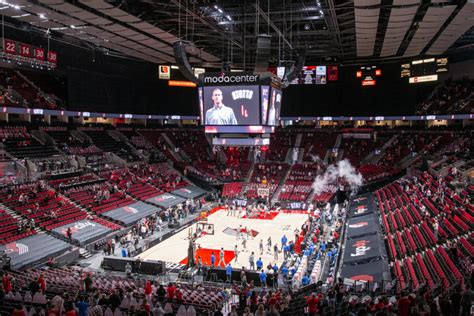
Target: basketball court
(175, 248)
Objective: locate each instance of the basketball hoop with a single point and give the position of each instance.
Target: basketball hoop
(204, 228)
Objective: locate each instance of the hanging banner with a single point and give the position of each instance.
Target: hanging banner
(10, 47)
(25, 50)
(332, 73)
(39, 53)
(52, 57)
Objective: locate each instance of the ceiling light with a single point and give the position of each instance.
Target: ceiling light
(229, 18)
(17, 7)
(220, 10)
(306, 27)
(73, 27)
(42, 16)
(20, 16)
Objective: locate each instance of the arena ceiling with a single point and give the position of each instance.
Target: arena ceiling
(331, 30)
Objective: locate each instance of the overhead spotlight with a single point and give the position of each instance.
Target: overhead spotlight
(216, 7)
(307, 27)
(220, 10)
(229, 18)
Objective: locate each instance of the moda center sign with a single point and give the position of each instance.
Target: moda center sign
(230, 78)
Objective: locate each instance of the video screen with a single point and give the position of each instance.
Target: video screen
(275, 107)
(231, 105)
(316, 75)
(201, 103)
(265, 95)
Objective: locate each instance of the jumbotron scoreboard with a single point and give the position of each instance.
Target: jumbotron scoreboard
(424, 70)
(240, 108)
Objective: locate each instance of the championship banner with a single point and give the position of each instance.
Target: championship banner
(130, 214)
(361, 225)
(84, 231)
(29, 250)
(166, 200)
(190, 191)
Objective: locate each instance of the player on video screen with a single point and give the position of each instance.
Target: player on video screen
(272, 112)
(220, 114)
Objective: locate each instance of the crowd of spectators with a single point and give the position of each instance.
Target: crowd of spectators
(453, 96)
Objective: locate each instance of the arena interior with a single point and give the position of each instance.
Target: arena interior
(218, 157)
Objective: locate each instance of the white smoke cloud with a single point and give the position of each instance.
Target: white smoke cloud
(342, 169)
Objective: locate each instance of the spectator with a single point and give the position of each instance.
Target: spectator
(88, 282)
(161, 293)
(312, 303)
(263, 278)
(7, 283)
(70, 311)
(171, 290)
(228, 272)
(403, 305)
(19, 311)
(42, 282)
(466, 300)
(82, 306)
